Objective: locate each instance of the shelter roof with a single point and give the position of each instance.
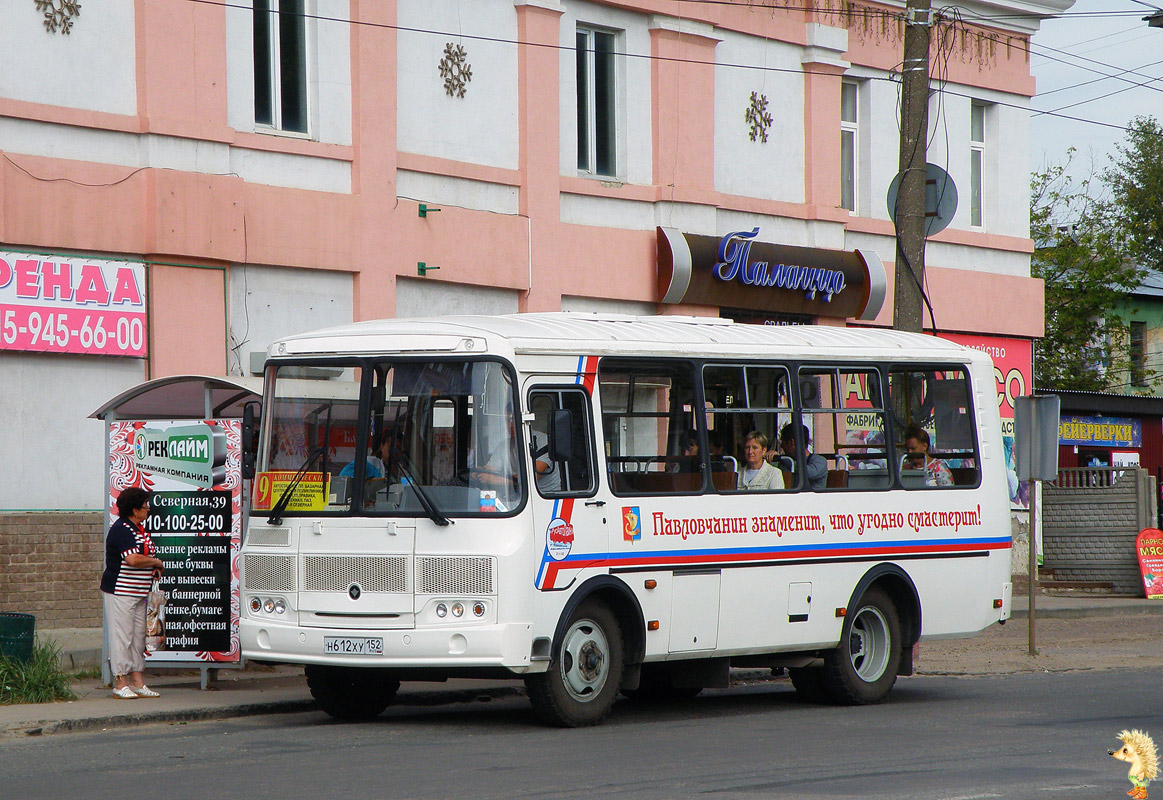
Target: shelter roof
(183, 397)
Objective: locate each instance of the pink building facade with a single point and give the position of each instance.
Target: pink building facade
(235, 172)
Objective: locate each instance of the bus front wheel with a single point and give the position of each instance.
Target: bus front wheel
(863, 667)
(351, 693)
(585, 670)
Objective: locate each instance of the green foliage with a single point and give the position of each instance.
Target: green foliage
(41, 680)
(1135, 178)
(1081, 254)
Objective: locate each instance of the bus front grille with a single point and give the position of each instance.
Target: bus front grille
(454, 575)
(269, 573)
(338, 573)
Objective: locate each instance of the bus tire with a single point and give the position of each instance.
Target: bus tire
(809, 684)
(351, 693)
(585, 670)
(863, 667)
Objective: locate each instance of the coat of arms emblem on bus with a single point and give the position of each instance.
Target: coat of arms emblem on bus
(631, 523)
(559, 539)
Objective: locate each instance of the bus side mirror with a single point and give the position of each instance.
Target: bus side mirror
(561, 435)
(249, 439)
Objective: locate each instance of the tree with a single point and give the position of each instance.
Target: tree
(1135, 178)
(1080, 252)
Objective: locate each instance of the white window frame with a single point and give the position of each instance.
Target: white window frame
(978, 113)
(587, 97)
(275, 74)
(850, 131)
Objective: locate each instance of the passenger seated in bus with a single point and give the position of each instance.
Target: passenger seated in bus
(757, 475)
(816, 466)
(720, 461)
(917, 458)
(374, 467)
(688, 460)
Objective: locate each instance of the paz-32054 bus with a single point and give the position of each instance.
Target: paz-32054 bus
(604, 504)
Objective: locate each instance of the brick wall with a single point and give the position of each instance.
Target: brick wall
(1090, 518)
(50, 567)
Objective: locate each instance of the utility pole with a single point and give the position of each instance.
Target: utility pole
(909, 215)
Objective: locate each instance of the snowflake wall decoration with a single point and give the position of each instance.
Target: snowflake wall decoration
(455, 69)
(58, 14)
(758, 118)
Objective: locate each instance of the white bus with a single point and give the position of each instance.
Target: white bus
(558, 497)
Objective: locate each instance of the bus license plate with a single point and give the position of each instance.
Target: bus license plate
(353, 645)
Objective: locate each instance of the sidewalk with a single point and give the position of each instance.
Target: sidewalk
(272, 690)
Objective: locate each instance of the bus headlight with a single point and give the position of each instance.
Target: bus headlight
(458, 609)
(255, 605)
(280, 607)
(268, 606)
(441, 610)
(478, 609)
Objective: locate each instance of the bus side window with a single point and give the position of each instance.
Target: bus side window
(742, 400)
(934, 432)
(844, 422)
(561, 442)
(647, 416)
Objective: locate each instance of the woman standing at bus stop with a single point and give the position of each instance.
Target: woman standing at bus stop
(130, 567)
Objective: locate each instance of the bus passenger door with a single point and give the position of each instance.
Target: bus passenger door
(569, 521)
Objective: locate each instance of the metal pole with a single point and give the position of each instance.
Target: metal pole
(909, 214)
(1033, 484)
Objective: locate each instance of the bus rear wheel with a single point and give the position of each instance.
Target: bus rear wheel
(863, 667)
(351, 693)
(585, 670)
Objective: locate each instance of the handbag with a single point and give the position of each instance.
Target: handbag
(155, 618)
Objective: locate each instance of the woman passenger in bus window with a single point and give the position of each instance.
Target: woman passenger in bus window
(917, 457)
(757, 475)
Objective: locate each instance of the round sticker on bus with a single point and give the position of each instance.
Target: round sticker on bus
(559, 539)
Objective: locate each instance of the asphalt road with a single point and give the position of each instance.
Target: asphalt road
(1031, 735)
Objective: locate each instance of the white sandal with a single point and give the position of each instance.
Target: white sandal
(143, 691)
(125, 693)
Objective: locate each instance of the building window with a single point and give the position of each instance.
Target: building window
(596, 102)
(976, 164)
(1138, 353)
(280, 65)
(849, 143)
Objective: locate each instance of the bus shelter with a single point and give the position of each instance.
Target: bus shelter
(179, 438)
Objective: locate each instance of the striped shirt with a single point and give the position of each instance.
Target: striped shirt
(125, 539)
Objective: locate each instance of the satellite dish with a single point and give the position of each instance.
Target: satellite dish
(940, 199)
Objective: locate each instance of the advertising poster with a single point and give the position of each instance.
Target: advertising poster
(1150, 548)
(71, 304)
(1013, 371)
(192, 468)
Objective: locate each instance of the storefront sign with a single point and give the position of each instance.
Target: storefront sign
(1149, 545)
(192, 471)
(737, 271)
(59, 304)
(1102, 431)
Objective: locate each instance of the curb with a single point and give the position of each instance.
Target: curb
(426, 698)
(128, 720)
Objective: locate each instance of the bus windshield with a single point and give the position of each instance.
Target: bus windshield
(396, 437)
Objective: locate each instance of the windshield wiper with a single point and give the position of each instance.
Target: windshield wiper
(426, 501)
(284, 500)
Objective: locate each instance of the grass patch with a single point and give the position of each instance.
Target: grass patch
(41, 680)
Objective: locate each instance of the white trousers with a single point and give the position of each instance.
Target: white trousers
(125, 620)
